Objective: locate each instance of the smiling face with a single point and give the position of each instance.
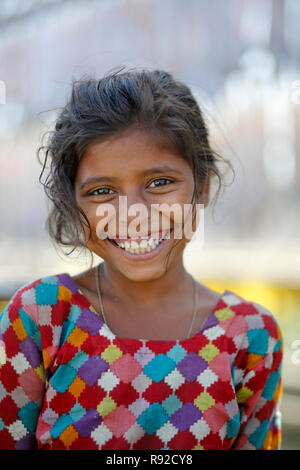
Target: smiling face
(131, 164)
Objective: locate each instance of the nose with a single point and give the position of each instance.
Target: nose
(133, 214)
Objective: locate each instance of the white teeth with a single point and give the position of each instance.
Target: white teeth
(143, 244)
(138, 248)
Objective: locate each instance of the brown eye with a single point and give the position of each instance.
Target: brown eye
(92, 193)
(160, 179)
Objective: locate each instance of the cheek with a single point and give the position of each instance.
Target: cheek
(192, 221)
(103, 220)
(178, 209)
(93, 219)
(173, 216)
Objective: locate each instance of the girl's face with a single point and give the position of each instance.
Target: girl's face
(131, 164)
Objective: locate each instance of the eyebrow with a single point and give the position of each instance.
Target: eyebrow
(150, 171)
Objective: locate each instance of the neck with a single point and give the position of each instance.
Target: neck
(144, 294)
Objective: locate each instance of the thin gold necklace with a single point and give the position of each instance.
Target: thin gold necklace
(102, 309)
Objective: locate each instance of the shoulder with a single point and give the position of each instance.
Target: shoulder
(256, 323)
(41, 297)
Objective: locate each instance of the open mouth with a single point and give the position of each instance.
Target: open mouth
(143, 248)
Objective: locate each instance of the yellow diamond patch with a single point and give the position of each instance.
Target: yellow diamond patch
(204, 401)
(111, 354)
(106, 406)
(224, 313)
(243, 394)
(198, 447)
(94, 310)
(209, 352)
(41, 372)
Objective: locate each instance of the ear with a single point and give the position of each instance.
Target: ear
(204, 193)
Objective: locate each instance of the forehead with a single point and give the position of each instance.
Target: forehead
(130, 150)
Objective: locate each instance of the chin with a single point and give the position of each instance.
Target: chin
(144, 273)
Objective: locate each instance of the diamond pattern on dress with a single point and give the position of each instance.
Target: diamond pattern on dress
(67, 382)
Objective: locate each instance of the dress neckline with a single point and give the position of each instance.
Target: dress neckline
(210, 321)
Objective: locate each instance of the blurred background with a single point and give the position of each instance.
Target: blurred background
(242, 62)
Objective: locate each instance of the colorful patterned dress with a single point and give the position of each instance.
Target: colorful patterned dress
(67, 382)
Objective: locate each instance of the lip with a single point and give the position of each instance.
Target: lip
(160, 234)
(142, 257)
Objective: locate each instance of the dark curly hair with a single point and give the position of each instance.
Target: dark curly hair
(151, 100)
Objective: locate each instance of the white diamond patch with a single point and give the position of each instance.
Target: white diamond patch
(134, 433)
(207, 377)
(28, 297)
(232, 408)
(231, 299)
(138, 406)
(101, 434)
(141, 382)
(108, 381)
(200, 429)
(20, 363)
(17, 430)
(175, 379)
(254, 322)
(214, 332)
(167, 432)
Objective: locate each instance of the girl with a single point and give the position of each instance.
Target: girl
(134, 353)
